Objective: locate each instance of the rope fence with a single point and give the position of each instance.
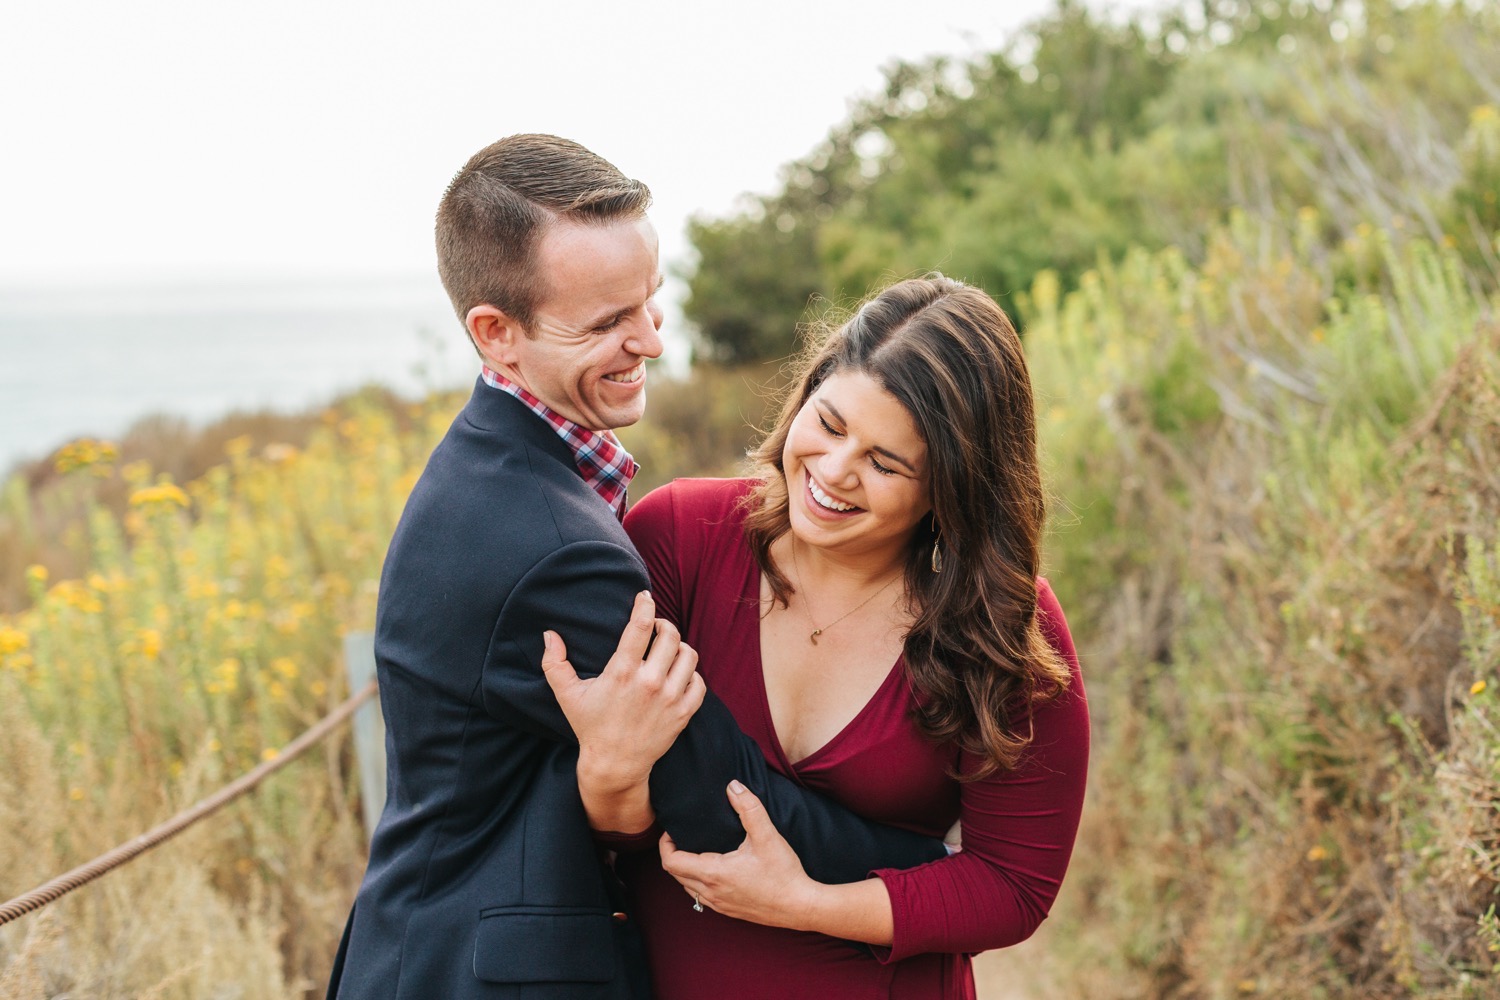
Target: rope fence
(82, 875)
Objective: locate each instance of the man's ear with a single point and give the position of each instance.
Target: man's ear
(495, 334)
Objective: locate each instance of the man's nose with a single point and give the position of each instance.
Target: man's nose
(645, 334)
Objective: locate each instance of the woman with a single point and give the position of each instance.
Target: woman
(869, 608)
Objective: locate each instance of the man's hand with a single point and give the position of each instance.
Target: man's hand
(628, 716)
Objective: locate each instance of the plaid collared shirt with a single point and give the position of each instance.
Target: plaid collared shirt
(602, 461)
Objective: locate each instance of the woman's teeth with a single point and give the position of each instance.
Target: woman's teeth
(634, 375)
(824, 500)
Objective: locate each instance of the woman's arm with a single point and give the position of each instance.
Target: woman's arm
(763, 881)
(687, 782)
(1018, 833)
(1018, 837)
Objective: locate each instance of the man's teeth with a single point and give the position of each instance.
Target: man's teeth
(634, 375)
(824, 500)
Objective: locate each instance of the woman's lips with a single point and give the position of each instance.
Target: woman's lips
(811, 491)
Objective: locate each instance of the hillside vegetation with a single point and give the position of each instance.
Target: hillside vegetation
(1253, 246)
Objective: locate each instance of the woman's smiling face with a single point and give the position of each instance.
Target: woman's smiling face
(856, 468)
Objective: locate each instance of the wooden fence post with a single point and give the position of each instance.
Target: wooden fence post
(369, 727)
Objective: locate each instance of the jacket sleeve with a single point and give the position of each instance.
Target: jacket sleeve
(584, 592)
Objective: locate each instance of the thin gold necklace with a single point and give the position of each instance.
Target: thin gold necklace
(807, 605)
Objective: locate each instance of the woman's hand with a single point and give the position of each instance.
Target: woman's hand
(628, 716)
(761, 881)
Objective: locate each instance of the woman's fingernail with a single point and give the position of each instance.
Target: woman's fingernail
(735, 786)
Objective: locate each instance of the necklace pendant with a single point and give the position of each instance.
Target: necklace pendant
(813, 638)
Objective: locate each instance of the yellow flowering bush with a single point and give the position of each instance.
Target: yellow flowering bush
(204, 635)
(86, 453)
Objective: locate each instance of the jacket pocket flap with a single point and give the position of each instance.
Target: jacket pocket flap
(531, 945)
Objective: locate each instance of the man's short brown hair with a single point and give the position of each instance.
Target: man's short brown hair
(495, 210)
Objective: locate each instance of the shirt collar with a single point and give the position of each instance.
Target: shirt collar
(602, 461)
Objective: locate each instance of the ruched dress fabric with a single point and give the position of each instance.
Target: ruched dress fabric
(1018, 827)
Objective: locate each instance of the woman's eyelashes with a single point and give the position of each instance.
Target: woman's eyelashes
(874, 462)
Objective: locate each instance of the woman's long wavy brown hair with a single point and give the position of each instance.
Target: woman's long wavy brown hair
(975, 653)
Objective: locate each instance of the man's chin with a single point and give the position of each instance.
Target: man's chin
(624, 416)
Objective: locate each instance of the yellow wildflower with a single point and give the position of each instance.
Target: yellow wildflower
(13, 640)
(199, 588)
(228, 674)
(270, 753)
(160, 496)
(76, 794)
(149, 642)
(73, 594)
(1477, 687)
(236, 447)
(86, 453)
(36, 573)
(1317, 853)
(285, 666)
(277, 691)
(318, 689)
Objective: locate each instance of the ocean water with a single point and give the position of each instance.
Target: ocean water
(82, 361)
(91, 361)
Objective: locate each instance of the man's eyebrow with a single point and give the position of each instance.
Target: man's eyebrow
(884, 451)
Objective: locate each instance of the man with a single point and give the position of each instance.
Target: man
(484, 879)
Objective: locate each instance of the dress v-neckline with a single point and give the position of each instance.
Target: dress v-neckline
(796, 767)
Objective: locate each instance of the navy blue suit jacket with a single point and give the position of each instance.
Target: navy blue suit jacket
(483, 879)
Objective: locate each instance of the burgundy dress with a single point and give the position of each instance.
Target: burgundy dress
(1018, 828)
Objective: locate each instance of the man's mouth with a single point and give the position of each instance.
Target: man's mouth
(633, 375)
(825, 501)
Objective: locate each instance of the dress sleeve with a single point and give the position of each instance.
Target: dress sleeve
(688, 783)
(1018, 832)
(650, 525)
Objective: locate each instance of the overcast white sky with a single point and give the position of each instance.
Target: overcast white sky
(171, 139)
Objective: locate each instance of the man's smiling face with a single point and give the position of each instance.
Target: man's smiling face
(596, 325)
